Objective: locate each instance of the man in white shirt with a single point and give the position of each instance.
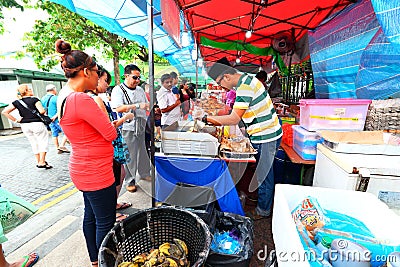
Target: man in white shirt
(168, 103)
(130, 97)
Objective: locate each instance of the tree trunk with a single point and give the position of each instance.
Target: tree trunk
(117, 76)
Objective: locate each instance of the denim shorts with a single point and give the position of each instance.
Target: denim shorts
(55, 128)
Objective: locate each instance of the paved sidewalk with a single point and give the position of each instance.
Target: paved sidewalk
(55, 232)
(63, 242)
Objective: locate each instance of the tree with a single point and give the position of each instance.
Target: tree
(8, 4)
(81, 33)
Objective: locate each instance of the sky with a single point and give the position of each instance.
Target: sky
(16, 23)
(11, 40)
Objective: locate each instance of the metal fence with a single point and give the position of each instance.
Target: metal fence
(296, 87)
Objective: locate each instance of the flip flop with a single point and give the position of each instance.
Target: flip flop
(24, 264)
(120, 217)
(46, 166)
(123, 205)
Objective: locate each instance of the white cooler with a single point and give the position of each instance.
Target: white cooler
(378, 174)
(379, 219)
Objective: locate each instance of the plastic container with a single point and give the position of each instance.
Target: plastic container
(345, 253)
(305, 142)
(324, 245)
(333, 114)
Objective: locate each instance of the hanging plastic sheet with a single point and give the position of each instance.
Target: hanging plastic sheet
(378, 77)
(336, 49)
(388, 13)
(356, 54)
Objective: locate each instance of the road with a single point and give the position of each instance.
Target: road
(55, 231)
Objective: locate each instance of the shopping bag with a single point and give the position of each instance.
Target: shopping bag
(13, 210)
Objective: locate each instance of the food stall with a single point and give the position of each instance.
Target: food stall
(199, 154)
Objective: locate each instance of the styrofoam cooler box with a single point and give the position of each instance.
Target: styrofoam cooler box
(380, 174)
(379, 219)
(305, 142)
(333, 114)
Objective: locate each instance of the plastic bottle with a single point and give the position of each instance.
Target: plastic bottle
(345, 253)
(323, 245)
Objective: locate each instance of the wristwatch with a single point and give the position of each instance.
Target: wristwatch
(204, 119)
(137, 105)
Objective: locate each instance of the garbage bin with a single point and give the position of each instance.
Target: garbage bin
(4, 122)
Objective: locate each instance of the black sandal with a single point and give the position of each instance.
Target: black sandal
(45, 166)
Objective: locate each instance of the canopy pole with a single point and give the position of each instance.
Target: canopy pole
(197, 68)
(152, 97)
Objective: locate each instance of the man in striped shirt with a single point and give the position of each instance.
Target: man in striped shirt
(253, 105)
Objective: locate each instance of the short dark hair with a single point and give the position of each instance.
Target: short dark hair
(174, 75)
(165, 76)
(102, 70)
(262, 75)
(131, 67)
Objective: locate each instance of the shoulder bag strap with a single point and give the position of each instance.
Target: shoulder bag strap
(28, 108)
(62, 107)
(126, 94)
(127, 97)
(48, 102)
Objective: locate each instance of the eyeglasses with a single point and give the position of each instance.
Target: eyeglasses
(98, 72)
(134, 77)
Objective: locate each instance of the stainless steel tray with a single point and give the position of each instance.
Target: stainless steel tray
(237, 155)
(177, 139)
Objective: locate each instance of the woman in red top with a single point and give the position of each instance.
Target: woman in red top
(90, 133)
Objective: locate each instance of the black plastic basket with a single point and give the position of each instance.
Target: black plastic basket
(149, 228)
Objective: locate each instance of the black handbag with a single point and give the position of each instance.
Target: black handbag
(44, 118)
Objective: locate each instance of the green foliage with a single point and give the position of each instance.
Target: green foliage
(8, 4)
(81, 33)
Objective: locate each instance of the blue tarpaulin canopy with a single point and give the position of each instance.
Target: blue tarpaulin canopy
(357, 54)
(128, 18)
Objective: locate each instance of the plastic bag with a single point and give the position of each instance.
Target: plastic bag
(13, 210)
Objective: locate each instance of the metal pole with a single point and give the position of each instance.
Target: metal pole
(197, 68)
(152, 97)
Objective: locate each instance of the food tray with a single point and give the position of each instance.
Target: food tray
(177, 139)
(238, 155)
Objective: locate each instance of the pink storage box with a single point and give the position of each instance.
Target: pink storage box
(333, 114)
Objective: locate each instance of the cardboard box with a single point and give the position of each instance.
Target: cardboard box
(361, 142)
(363, 206)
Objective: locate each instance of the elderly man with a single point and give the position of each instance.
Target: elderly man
(49, 102)
(254, 106)
(130, 97)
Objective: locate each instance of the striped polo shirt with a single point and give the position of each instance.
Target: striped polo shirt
(260, 117)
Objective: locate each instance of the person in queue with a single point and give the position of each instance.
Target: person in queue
(90, 133)
(31, 125)
(130, 97)
(49, 102)
(254, 107)
(104, 104)
(168, 103)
